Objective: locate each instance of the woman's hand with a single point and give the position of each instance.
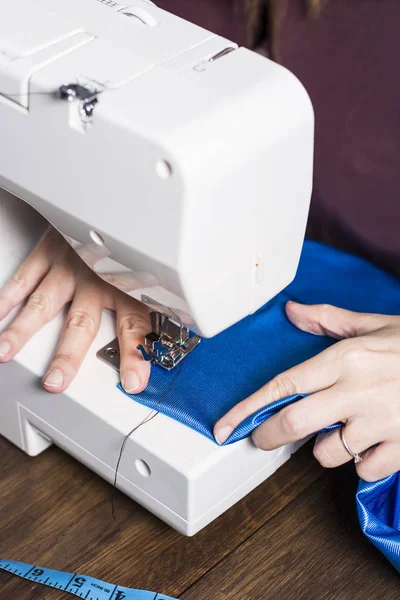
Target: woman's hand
(52, 276)
(356, 381)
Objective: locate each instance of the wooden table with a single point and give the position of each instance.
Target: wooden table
(295, 537)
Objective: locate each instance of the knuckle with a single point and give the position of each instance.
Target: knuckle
(133, 324)
(293, 422)
(82, 321)
(20, 279)
(352, 351)
(39, 303)
(282, 387)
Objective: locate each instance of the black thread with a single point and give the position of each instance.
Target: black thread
(147, 419)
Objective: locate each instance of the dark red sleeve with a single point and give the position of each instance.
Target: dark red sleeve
(349, 61)
(224, 17)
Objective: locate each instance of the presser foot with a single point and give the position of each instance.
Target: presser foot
(169, 342)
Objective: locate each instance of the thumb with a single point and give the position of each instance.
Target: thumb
(337, 323)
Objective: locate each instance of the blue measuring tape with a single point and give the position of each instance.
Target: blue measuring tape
(77, 585)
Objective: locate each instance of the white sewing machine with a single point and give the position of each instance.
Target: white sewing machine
(178, 163)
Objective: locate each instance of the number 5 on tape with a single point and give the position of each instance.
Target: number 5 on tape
(77, 585)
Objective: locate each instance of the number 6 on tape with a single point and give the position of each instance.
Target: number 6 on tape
(77, 585)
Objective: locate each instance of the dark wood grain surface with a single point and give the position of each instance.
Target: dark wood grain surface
(296, 536)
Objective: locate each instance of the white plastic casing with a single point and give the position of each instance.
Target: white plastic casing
(196, 174)
(213, 231)
(192, 480)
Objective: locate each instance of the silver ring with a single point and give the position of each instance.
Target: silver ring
(357, 458)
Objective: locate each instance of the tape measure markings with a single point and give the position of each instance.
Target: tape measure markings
(78, 585)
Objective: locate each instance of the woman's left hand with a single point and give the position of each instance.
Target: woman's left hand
(52, 276)
(356, 382)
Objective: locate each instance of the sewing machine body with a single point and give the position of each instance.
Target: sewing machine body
(187, 186)
(179, 475)
(190, 184)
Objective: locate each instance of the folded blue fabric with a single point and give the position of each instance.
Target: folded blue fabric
(228, 368)
(378, 508)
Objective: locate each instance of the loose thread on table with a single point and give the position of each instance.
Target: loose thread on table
(147, 419)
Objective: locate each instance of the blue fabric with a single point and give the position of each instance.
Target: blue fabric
(378, 508)
(228, 368)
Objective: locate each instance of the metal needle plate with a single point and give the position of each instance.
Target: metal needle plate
(110, 355)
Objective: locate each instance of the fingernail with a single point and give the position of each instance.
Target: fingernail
(223, 434)
(5, 348)
(131, 382)
(54, 379)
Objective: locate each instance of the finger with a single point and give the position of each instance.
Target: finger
(43, 305)
(92, 253)
(359, 434)
(317, 373)
(303, 418)
(380, 462)
(337, 323)
(26, 279)
(81, 327)
(133, 324)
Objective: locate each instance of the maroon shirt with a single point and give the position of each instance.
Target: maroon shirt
(224, 17)
(348, 59)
